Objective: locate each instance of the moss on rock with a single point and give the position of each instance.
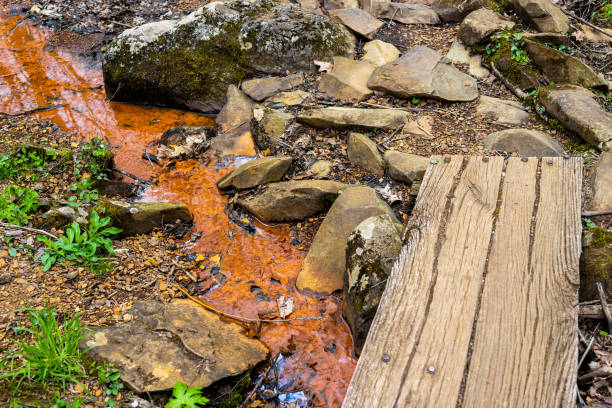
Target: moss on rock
(191, 62)
(595, 262)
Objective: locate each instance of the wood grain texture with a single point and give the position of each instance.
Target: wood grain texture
(497, 371)
(553, 293)
(507, 328)
(442, 265)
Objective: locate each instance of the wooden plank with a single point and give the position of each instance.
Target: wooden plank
(554, 291)
(497, 371)
(417, 347)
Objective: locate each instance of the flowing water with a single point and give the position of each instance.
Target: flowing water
(33, 75)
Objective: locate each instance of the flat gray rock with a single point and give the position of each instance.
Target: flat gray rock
(348, 80)
(562, 68)
(262, 88)
(269, 126)
(406, 167)
(423, 73)
(480, 24)
(460, 54)
(543, 15)
(379, 53)
(405, 13)
(527, 143)
(576, 108)
(503, 111)
(362, 152)
(256, 172)
(178, 342)
(342, 118)
(358, 20)
(292, 200)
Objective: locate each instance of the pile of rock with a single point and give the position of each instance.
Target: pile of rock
(253, 66)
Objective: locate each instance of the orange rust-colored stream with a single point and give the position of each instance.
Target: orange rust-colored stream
(31, 76)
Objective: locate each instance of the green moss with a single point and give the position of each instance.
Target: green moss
(194, 63)
(501, 6)
(600, 237)
(499, 51)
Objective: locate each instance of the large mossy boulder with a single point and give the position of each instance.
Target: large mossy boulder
(192, 61)
(595, 262)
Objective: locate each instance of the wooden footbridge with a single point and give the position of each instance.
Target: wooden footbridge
(481, 307)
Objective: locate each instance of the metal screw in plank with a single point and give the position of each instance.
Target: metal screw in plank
(386, 358)
(431, 369)
(524, 159)
(549, 162)
(447, 160)
(485, 159)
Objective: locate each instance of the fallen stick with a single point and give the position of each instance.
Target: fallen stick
(600, 372)
(604, 306)
(519, 94)
(582, 20)
(257, 385)
(30, 111)
(596, 213)
(138, 179)
(38, 231)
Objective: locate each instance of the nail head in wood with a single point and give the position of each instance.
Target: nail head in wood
(386, 358)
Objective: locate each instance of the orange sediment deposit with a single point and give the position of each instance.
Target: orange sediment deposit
(251, 269)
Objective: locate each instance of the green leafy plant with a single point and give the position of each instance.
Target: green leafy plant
(515, 43)
(108, 376)
(84, 193)
(95, 156)
(16, 203)
(415, 101)
(517, 49)
(589, 223)
(25, 159)
(53, 355)
(81, 246)
(186, 397)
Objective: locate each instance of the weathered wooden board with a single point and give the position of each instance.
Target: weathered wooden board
(480, 309)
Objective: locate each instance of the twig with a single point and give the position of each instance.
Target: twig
(586, 351)
(19, 22)
(604, 305)
(30, 111)
(120, 24)
(582, 20)
(138, 179)
(240, 318)
(257, 385)
(596, 213)
(184, 270)
(519, 94)
(600, 372)
(38, 231)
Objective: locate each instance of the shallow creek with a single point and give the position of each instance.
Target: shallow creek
(34, 75)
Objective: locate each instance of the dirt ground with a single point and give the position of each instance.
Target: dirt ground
(145, 267)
